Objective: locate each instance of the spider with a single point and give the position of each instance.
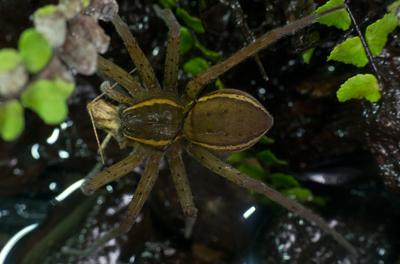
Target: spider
(156, 121)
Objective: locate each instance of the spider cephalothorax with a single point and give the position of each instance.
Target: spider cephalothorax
(158, 122)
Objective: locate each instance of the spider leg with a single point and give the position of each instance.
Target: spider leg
(182, 186)
(145, 70)
(195, 86)
(117, 74)
(225, 170)
(114, 172)
(172, 56)
(116, 95)
(140, 196)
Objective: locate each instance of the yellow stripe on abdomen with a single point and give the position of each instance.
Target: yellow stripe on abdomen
(154, 101)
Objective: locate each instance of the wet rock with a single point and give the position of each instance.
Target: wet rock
(53, 27)
(79, 54)
(13, 81)
(368, 226)
(384, 120)
(103, 9)
(70, 8)
(87, 27)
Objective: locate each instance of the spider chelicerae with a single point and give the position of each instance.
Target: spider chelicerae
(156, 121)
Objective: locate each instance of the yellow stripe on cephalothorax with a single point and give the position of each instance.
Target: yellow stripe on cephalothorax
(151, 142)
(227, 147)
(154, 101)
(238, 97)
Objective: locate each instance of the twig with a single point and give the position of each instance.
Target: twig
(365, 45)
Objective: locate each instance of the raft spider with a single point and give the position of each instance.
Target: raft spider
(158, 122)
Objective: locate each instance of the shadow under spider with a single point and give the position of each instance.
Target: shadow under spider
(157, 121)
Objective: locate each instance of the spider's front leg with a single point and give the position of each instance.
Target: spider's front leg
(119, 75)
(225, 170)
(143, 189)
(179, 176)
(142, 64)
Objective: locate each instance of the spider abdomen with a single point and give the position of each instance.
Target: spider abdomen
(154, 122)
(227, 120)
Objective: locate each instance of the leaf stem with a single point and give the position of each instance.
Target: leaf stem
(365, 45)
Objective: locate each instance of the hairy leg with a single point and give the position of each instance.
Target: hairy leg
(116, 95)
(114, 172)
(218, 166)
(172, 56)
(178, 173)
(145, 70)
(195, 86)
(140, 196)
(117, 74)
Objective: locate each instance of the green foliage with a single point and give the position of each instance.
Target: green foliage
(265, 140)
(281, 181)
(168, 3)
(359, 87)
(48, 99)
(186, 41)
(85, 3)
(46, 10)
(269, 158)
(11, 120)
(195, 66)
(237, 157)
(9, 59)
(299, 194)
(34, 49)
(210, 54)
(392, 8)
(253, 171)
(350, 51)
(339, 19)
(262, 166)
(307, 55)
(377, 33)
(191, 21)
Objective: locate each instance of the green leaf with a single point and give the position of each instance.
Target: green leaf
(320, 201)
(48, 99)
(237, 157)
(350, 51)
(168, 3)
(186, 41)
(359, 87)
(253, 171)
(269, 158)
(9, 59)
(265, 140)
(46, 10)
(307, 55)
(195, 66)
(339, 19)
(283, 181)
(377, 33)
(34, 49)
(300, 194)
(190, 21)
(11, 120)
(85, 3)
(213, 55)
(219, 84)
(393, 7)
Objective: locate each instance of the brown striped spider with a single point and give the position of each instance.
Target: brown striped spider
(156, 121)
